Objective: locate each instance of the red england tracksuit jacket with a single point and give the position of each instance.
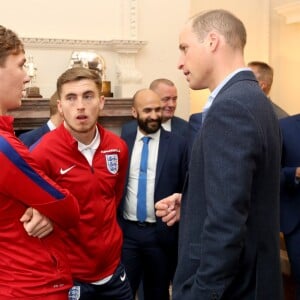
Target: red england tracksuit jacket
(30, 268)
(94, 246)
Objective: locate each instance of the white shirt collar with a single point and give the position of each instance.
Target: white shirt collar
(216, 91)
(167, 125)
(51, 125)
(153, 136)
(93, 145)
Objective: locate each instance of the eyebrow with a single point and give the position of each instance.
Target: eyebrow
(84, 93)
(70, 94)
(88, 91)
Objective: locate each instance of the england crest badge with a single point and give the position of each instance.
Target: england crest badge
(112, 163)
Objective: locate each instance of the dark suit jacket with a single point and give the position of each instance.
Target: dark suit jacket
(32, 136)
(170, 175)
(195, 122)
(178, 126)
(229, 226)
(290, 191)
(280, 113)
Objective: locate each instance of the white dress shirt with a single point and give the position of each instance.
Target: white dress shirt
(88, 151)
(130, 206)
(51, 125)
(216, 91)
(167, 125)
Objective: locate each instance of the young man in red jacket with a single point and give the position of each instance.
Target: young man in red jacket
(92, 163)
(32, 266)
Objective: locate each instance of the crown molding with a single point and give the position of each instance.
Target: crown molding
(126, 46)
(291, 12)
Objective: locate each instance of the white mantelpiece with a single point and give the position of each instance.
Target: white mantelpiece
(123, 53)
(291, 12)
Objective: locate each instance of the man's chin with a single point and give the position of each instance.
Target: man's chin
(15, 104)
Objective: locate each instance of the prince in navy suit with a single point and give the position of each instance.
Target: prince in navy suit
(290, 192)
(229, 221)
(150, 246)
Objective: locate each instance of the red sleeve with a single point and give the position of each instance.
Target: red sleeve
(123, 167)
(22, 179)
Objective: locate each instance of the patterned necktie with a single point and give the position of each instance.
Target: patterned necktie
(141, 211)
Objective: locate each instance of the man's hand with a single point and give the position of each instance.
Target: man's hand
(36, 224)
(169, 209)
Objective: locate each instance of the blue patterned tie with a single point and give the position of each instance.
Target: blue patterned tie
(141, 211)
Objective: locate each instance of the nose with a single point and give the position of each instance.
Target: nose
(80, 105)
(171, 103)
(153, 115)
(26, 78)
(180, 63)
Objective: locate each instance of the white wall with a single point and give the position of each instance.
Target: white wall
(285, 59)
(159, 22)
(255, 15)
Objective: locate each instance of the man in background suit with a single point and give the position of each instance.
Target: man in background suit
(167, 92)
(150, 247)
(290, 192)
(264, 75)
(31, 137)
(229, 223)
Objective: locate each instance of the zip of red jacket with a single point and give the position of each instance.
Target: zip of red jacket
(30, 267)
(94, 246)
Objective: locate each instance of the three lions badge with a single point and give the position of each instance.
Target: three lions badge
(112, 163)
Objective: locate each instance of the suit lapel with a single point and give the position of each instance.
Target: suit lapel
(162, 153)
(297, 121)
(130, 142)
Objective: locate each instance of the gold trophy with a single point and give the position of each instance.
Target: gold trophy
(93, 61)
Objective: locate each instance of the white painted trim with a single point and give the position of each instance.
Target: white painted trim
(46, 43)
(291, 12)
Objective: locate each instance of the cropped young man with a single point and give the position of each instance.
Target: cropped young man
(32, 266)
(92, 163)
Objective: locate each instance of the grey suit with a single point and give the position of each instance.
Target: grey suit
(229, 227)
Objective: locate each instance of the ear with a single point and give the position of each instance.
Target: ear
(59, 108)
(134, 112)
(101, 102)
(213, 40)
(262, 85)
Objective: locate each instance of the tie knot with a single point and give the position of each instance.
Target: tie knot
(146, 139)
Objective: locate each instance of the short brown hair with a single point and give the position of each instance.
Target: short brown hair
(155, 83)
(53, 104)
(9, 44)
(264, 73)
(77, 74)
(222, 21)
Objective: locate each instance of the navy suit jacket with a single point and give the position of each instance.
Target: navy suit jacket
(171, 171)
(178, 126)
(32, 136)
(229, 225)
(290, 190)
(195, 122)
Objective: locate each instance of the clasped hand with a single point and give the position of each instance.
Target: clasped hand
(36, 224)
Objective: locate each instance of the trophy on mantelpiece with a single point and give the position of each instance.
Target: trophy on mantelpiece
(32, 91)
(93, 61)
